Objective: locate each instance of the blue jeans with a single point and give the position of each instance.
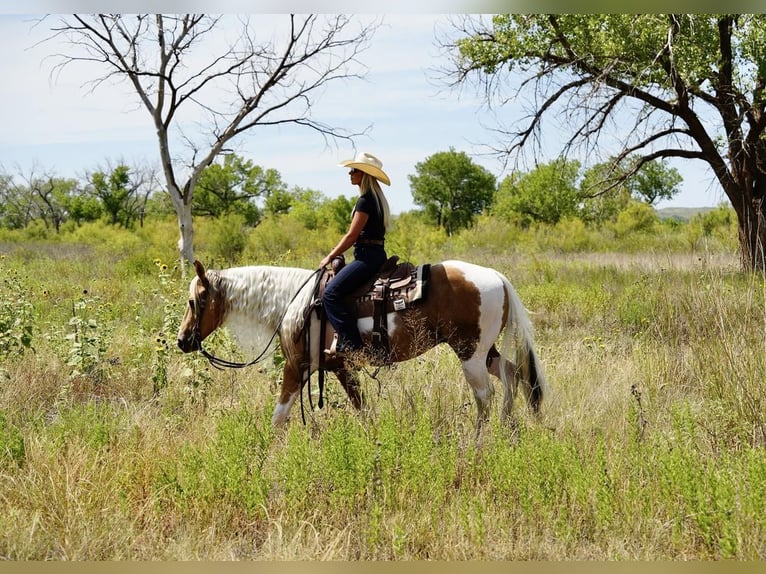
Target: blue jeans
(368, 259)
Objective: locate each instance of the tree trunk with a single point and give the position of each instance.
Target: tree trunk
(747, 192)
(185, 228)
(186, 237)
(752, 234)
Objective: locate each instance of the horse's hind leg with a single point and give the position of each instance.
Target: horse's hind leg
(510, 383)
(350, 384)
(475, 371)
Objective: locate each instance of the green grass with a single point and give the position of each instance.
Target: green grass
(113, 445)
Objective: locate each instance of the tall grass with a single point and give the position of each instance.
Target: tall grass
(113, 445)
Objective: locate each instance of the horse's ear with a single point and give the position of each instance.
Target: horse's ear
(200, 269)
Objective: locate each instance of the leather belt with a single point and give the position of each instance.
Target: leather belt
(370, 242)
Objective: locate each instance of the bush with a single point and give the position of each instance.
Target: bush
(16, 316)
(637, 218)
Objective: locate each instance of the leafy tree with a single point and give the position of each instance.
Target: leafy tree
(678, 86)
(50, 197)
(546, 194)
(603, 192)
(82, 208)
(113, 191)
(213, 68)
(278, 201)
(655, 181)
(305, 207)
(123, 192)
(16, 205)
(233, 186)
(337, 213)
(452, 189)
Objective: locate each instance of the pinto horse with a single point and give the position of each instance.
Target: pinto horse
(467, 306)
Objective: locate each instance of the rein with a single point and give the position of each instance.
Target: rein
(220, 364)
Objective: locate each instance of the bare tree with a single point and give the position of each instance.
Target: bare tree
(183, 66)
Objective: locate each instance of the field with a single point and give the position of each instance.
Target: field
(652, 445)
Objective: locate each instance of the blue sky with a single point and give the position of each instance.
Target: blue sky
(56, 124)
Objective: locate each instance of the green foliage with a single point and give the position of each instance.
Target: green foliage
(603, 198)
(113, 191)
(234, 186)
(168, 458)
(546, 194)
(337, 213)
(452, 189)
(227, 471)
(636, 218)
(225, 238)
(414, 239)
(95, 425)
(163, 292)
(16, 312)
(655, 181)
(630, 45)
(662, 70)
(89, 339)
(12, 447)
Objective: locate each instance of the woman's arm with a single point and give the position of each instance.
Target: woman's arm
(357, 224)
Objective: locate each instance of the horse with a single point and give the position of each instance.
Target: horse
(467, 307)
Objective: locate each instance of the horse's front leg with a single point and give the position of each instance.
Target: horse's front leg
(291, 386)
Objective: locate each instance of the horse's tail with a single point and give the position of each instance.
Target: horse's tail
(518, 330)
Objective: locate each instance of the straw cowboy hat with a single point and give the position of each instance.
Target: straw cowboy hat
(369, 164)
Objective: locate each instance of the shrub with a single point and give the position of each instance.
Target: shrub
(16, 317)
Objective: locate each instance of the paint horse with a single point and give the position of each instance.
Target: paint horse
(467, 307)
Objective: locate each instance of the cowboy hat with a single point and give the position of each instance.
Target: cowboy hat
(369, 164)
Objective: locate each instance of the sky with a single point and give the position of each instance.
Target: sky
(55, 122)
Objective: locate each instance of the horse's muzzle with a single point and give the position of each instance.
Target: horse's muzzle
(188, 345)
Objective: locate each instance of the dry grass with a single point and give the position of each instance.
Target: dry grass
(651, 446)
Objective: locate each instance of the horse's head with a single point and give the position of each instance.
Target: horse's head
(204, 313)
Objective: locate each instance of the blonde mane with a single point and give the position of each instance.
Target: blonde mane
(256, 299)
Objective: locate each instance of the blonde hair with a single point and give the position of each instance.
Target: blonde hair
(370, 184)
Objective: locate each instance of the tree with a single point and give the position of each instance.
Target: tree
(123, 192)
(234, 186)
(546, 194)
(452, 189)
(16, 204)
(183, 66)
(50, 196)
(655, 181)
(602, 198)
(676, 77)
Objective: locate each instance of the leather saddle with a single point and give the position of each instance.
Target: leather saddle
(399, 284)
(396, 287)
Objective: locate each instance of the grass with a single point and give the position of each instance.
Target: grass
(114, 446)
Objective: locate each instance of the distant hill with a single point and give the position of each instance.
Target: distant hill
(681, 213)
